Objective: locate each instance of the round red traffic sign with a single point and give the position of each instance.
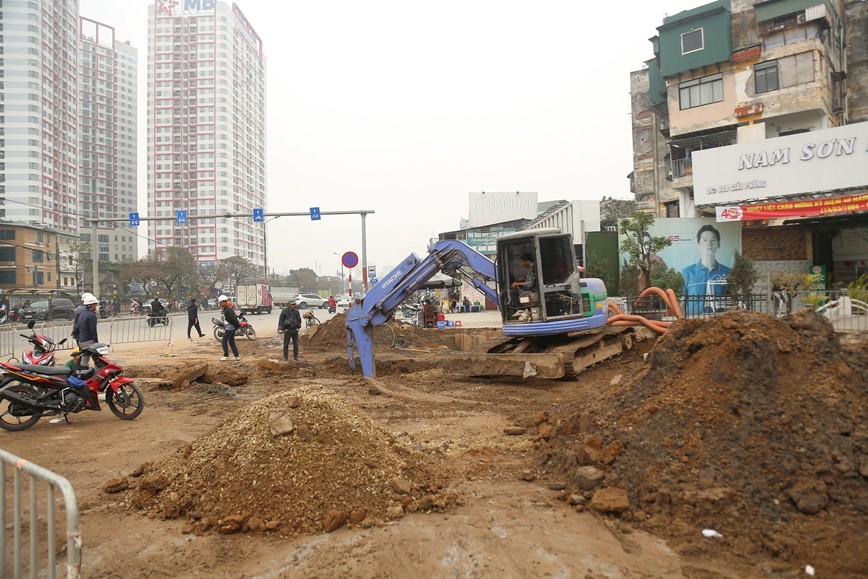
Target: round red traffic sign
(350, 259)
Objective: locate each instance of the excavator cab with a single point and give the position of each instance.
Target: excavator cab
(557, 295)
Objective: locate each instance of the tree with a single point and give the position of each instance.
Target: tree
(238, 270)
(178, 267)
(208, 276)
(640, 246)
(305, 279)
(613, 210)
(742, 276)
(144, 271)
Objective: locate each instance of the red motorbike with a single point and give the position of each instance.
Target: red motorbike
(42, 351)
(27, 391)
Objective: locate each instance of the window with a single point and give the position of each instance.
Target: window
(701, 91)
(766, 75)
(692, 41)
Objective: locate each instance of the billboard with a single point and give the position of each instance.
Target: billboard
(809, 162)
(702, 251)
(488, 208)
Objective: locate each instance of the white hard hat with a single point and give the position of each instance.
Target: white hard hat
(222, 298)
(87, 296)
(89, 299)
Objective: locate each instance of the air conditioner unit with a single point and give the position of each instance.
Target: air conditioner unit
(801, 18)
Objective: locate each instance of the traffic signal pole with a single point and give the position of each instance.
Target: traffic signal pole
(95, 249)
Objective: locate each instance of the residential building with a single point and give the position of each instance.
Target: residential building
(39, 258)
(39, 118)
(750, 111)
(108, 175)
(206, 130)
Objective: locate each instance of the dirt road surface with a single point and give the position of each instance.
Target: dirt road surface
(749, 426)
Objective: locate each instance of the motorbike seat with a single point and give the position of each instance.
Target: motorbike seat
(52, 370)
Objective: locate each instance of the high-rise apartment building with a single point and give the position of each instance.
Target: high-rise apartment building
(206, 129)
(39, 115)
(108, 131)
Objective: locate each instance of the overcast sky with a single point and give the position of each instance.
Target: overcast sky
(404, 107)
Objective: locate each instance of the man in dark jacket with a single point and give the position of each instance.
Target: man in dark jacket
(87, 335)
(231, 325)
(193, 318)
(288, 325)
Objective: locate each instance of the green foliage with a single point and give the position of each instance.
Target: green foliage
(859, 288)
(667, 278)
(613, 210)
(791, 281)
(597, 267)
(814, 300)
(629, 286)
(742, 276)
(640, 246)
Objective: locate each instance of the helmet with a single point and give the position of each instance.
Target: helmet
(75, 352)
(222, 298)
(89, 299)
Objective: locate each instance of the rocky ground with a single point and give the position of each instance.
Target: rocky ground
(746, 425)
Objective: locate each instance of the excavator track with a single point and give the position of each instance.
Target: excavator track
(553, 357)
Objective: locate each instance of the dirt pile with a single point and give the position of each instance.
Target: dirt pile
(333, 334)
(297, 462)
(745, 424)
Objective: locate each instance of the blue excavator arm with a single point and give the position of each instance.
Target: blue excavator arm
(451, 257)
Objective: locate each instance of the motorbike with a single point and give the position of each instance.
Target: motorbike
(246, 328)
(310, 319)
(42, 352)
(410, 310)
(29, 392)
(160, 318)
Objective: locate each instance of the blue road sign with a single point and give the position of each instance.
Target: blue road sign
(134, 219)
(182, 216)
(258, 215)
(314, 214)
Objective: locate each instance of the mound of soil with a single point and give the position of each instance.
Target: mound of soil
(333, 334)
(752, 426)
(297, 462)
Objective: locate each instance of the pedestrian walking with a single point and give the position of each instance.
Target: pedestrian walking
(87, 334)
(288, 325)
(231, 324)
(193, 318)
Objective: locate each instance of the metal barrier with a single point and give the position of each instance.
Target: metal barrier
(111, 331)
(44, 530)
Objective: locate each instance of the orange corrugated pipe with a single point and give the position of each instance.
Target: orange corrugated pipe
(618, 318)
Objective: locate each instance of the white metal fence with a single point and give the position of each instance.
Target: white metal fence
(34, 522)
(111, 331)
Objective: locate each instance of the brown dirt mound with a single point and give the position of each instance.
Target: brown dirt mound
(333, 334)
(749, 425)
(336, 465)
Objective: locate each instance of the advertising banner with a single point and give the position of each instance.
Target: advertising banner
(792, 208)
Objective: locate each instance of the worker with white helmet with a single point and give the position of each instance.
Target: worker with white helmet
(77, 312)
(87, 335)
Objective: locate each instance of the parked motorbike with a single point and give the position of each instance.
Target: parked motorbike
(160, 318)
(410, 310)
(42, 351)
(28, 392)
(246, 328)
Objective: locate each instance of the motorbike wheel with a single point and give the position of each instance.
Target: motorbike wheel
(127, 403)
(250, 333)
(218, 333)
(165, 321)
(15, 423)
(150, 322)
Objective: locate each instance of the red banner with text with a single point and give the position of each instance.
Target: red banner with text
(793, 208)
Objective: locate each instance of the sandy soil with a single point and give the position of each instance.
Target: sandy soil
(750, 426)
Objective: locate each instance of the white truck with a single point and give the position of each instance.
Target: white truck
(254, 299)
(281, 295)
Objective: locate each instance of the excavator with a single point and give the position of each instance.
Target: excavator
(554, 330)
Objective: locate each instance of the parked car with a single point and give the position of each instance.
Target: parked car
(61, 309)
(303, 301)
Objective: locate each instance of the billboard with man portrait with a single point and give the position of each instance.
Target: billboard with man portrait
(702, 250)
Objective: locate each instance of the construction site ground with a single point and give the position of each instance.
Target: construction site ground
(746, 428)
